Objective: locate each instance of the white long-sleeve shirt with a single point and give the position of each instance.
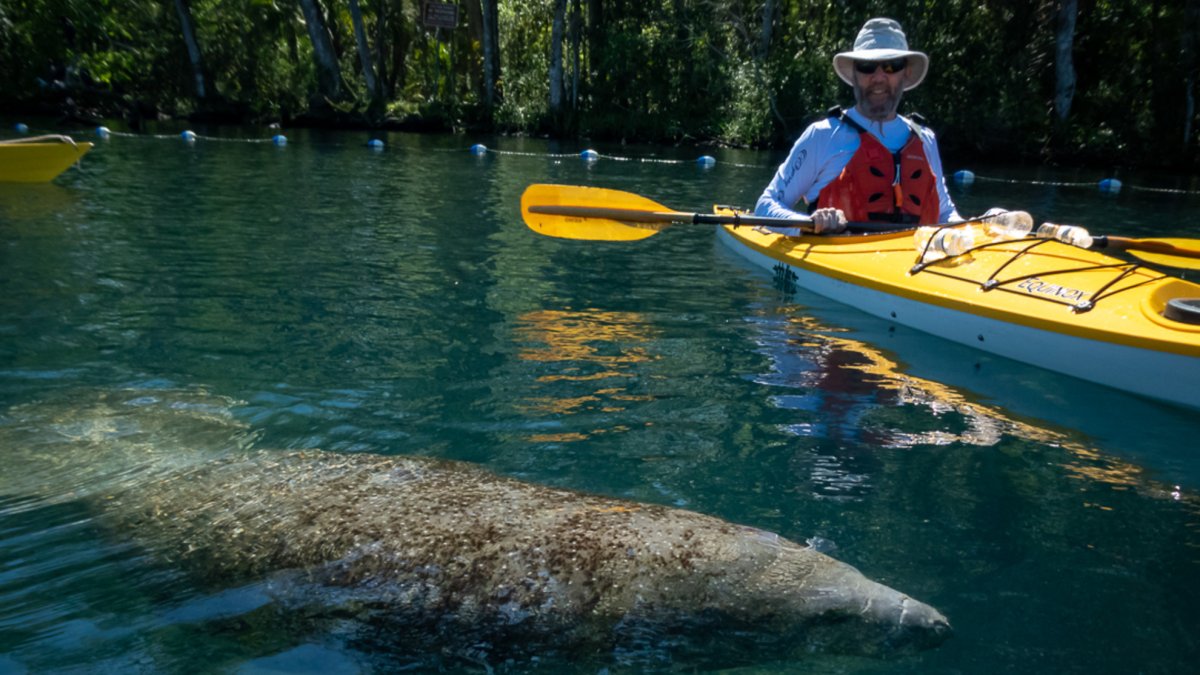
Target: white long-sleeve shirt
(823, 150)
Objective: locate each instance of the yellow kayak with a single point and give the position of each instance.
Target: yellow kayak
(1066, 308)
(37, 161)
(1040, 301)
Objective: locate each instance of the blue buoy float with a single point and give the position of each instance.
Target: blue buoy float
(1110, 186)
(21, 128)
(279, 139)
(479, 149)
(375, 144)
(189, 136)
(706, 161)
(103, 132)
(589, 155)
(964, 177)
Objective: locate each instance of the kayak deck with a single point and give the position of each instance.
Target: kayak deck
(1039, 301)
(38, 162)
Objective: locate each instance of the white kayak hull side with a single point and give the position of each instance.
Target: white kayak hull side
(1159, 375)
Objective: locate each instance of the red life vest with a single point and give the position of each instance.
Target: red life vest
(880, 185)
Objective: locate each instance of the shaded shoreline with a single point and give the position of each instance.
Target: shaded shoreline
(437, 118)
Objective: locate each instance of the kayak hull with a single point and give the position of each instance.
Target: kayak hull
(1030, 312)
(38, 162)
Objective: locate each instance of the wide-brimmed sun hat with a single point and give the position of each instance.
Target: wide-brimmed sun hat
(881, 40)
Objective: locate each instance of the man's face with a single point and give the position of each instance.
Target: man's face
(877, 92)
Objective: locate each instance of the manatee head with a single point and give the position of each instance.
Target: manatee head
(821, 604)
(873, 619)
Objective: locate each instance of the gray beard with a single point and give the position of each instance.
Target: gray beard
(877, 113)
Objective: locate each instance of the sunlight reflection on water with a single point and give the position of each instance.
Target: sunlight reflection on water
(175, 304)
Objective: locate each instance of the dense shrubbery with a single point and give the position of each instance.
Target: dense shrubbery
(663, 70)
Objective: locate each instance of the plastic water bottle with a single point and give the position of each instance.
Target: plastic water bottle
(937, 243)
(1005, 225)
(1068, 234)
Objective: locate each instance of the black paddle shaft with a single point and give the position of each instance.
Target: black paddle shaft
(735, 218)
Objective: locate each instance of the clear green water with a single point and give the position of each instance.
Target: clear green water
(326, 295)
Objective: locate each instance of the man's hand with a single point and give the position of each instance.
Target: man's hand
(828, 221)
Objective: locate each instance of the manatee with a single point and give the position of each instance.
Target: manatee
(453, 552)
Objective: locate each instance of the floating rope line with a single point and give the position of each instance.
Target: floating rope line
(1106, 185)
(105, 132)
(517, 153)
(962, 177)
(188, 136)
(749, 166)
(1033, 182)
(593, 156)
(1172, 191)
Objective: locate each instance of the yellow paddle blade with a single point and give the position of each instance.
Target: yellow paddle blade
(579, 224)
(1180, 253)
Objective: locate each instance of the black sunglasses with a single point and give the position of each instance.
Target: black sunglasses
(890, 67)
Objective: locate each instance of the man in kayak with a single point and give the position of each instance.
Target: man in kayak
(866, 163)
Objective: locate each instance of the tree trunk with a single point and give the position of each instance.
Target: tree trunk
(471, 66)
(768, 26)
(576, 42)
(595, 23)
(762, 52)
(1064, 68)
(381, 50)
(199, 78)
(491, 52)
(364, 53)
(556, 59)
(329, 78)
(684, 80)
(596, 76)
(1188, 55)
(403, 35)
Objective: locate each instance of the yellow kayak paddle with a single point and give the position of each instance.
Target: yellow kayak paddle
(1172, 252)
(602, 214)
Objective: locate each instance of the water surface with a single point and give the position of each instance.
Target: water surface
(168, 299)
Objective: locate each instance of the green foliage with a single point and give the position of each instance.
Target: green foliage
(750, 107)
(668, 70)
(525, 60)
(269, 73)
